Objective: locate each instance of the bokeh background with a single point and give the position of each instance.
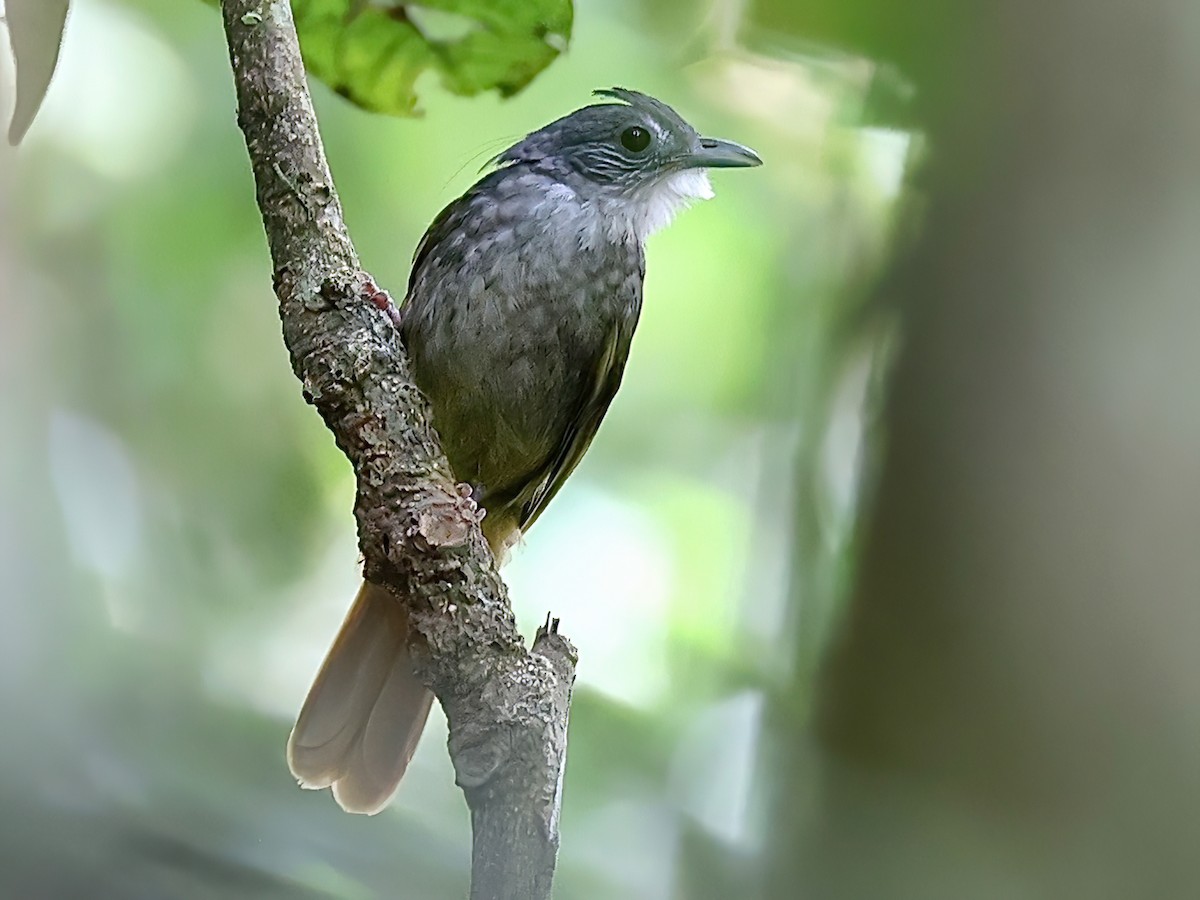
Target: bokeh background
(177, 537)
(987, 686)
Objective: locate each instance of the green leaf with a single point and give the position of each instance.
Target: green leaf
(35, 29)
(373, 52)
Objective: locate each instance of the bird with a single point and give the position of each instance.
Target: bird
(521, 305)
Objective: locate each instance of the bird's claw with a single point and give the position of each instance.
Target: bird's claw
(380, 299)
(470, 497)
(444, 519)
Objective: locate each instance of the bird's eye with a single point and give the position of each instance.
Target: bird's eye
(635, 139)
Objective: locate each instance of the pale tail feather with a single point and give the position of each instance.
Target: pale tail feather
(359, 727)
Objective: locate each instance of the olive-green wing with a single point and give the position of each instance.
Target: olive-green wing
(610, 366)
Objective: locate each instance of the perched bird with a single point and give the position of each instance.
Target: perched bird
(521, 306)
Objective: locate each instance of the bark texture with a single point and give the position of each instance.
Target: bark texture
(507, 705)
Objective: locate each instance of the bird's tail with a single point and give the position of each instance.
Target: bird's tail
(365, 711)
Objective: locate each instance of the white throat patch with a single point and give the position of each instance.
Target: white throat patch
(653, 207)
(638, 215)
(620, 218)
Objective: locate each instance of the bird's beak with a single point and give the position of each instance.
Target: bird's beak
(713, 153)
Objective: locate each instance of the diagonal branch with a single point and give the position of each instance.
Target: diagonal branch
(507, 706)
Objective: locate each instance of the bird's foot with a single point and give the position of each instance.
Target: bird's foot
(444, 519)
(470, 498)
(474, 491)
(380, 299)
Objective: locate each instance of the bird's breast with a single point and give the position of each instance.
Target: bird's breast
(507, 320)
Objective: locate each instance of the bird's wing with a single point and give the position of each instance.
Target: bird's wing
(447, 221)
(610, 365)
(460, 216)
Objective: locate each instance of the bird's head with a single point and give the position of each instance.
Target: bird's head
(637, 151)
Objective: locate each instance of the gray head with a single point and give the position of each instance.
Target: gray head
(628, 145)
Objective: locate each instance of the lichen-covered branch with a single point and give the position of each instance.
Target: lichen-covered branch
(506, 705)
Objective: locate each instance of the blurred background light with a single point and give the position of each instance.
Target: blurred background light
(167, 607)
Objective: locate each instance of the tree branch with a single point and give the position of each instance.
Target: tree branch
(507, 706)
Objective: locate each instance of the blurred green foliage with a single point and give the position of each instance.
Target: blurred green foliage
(373, 53)
(176, 541)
